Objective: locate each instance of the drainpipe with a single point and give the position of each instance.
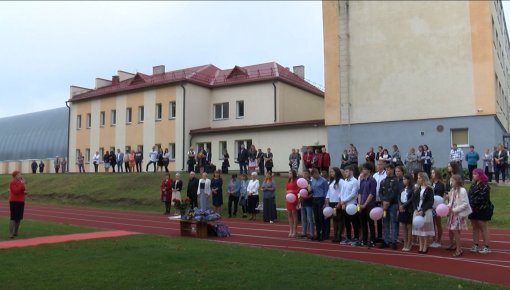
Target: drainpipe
(68, 132)
(274, 100)
(183, 126)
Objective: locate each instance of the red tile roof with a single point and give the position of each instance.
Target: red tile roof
(207, 76)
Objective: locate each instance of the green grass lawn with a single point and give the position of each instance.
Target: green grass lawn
(155, 262)
(31, 229)
(140, 191)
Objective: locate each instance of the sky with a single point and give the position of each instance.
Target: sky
(48, 46)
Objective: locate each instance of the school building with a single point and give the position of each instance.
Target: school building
(267, 105)
(416, 72)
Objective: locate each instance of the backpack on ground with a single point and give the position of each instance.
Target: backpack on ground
(222, 230)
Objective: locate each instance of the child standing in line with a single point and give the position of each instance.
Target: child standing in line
(405, 215)
(459, 210)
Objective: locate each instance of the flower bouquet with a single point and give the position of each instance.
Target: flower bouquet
(182, 205)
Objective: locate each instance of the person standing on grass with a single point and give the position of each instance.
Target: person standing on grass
(320, 189)
(326, 160)
(370, 156)
(132, 161)
(138, 159)
(253, 196)
(459, 210)
(292, 208)
(366, 202)
(113, 160)
(405, 216)
(333, 200)
(472, 158)
(127, 168)
(166, 159)
(480, 202)
(242, 159)
(426, 158)
(119, 159)
(500, 162)
(41, 167)
(260, 161)
(308, 158)
(17, 195)
(177, 187)
(243, 200)
(192, 159)
(192, 189)
(217, 191)
(63, 165)
(204, 190)
(439, 190)
(57, 165)
(166, 193)
(252, 158)
(423, 200)
(488, 164)
(34, 167)
(81, 163)
(457, 155)
(268, 160)
(106, 161)
(234, 192)
(95, 161)
(307, 209)
(153, 159)
(268, 190)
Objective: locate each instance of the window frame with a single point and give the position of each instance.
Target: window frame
(158, 114)
(78, 122)
(238, 116)
(460, 145)
(141, 114)
(223, 111)
(113, 118)
(129, 115)
(171, 151)
(102, 117)
(89, 121)
(172, 110)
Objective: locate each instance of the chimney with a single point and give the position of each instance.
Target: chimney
(102, 83)
(299, 70)
(115, 80)
(159, 69)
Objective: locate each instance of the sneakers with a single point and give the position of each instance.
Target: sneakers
(474, 249)
(435, 245)
(345, 242)
(485, 250)
(370, 244)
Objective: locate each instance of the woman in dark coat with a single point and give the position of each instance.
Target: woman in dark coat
(217, 191)
(480, 202)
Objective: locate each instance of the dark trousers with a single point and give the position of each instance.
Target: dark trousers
(489, 174)
(113, 167)
(96, 167)
(232, 200)
(427, 168)
(261, 168)
(470, 170)
(500, 169)
(126, 165)
(354, 221)
(120, 167)
(148, 164)
(320, 222)
(194, 200)
(138, 166)
(168, 205)
(367, 224)
(243, 168)
(379, 226)
(337, 230)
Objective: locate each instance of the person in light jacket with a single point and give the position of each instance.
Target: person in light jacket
(253, 195)
(204, 190)
(459, 210)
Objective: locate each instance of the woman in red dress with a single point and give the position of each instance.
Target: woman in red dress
(17, 195)
(292, 187)
(166, 193)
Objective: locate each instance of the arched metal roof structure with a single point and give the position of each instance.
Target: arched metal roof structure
(38, 135)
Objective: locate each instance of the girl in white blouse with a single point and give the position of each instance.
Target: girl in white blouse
(204, 190)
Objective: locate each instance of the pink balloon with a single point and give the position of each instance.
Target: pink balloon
(302, 183)
(442, 210)
(290, 197)
(304, 193)
(376, 213)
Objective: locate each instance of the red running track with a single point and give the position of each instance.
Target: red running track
(491, 268)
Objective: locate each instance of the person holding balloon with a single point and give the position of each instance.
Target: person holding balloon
(348, 196)
(366, 202)
(306, 200)
(480, 202)
(423, 200)
(389, 192)
(439, 190)
(320, 189)
(459, 210)
(405, 216)
(292, 190)
(333, 200)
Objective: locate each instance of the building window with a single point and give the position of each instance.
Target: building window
(113, 117)
(101, 119)
(101, 154)
(240, 109)
(89, 121)
(129, 115)
(140, 114)
(87, 155)
(158, 112)
(78, 122)
(223, 149)
(172, 111)
(171, 151)
(460, 137)
(221, 111)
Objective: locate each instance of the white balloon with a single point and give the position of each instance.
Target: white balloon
(327, 211)
(351, 209)
(418, 222)
(437, 201)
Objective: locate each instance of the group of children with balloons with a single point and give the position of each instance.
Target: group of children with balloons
(385, 197)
